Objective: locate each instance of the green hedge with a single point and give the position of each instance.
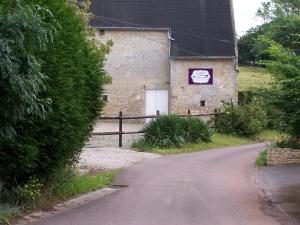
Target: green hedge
(74, 67)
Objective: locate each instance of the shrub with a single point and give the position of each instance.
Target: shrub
(165, 131)
(266, 98)
(292, 143)
(29, 193)
(248, 120)
(261, 159)
(171, 130)
(73, 64)
(195, 130)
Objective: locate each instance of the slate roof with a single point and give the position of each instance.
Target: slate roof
(201, 28)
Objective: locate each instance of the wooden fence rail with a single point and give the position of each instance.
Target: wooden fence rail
(121, 118)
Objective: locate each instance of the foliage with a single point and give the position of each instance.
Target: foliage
(217, 141)
(279, 8)
(285, 66)
(246, 120)
(287, 142)
(282, 24)
(261, 159)
(270, 135)
(7, 213)
(29, 193)
(82, 184)
(195, 130)
(247, 54)
(25, 31)
(65, 185)
(73, 64)
(171, 130)
(165, 131)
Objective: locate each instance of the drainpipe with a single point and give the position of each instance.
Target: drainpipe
(170, 65)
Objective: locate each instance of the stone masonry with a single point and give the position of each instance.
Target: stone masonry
(140, 60)
(185, 96)
(283, 156)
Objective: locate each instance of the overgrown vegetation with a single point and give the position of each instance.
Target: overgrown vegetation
(171, 130)
(36, 196)
(49, 53)
(286, 70)
(261, 159)
(276, 46)
(243, 120)
(288, 142)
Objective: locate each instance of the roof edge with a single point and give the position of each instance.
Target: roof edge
(204, 57)
(133, 28)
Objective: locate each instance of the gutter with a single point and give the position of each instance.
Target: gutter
(204, 57)
(133, 28)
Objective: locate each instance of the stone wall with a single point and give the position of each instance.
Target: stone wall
(138, 61)
(184, 96)
(283, 156)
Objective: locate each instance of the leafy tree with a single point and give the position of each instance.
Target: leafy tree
(73, 64)
(24, 35)
(285, 66)
(278, 9)
(282, 24)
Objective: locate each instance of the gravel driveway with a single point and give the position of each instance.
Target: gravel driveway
(102, 152)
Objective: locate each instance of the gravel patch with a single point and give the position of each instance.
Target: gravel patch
(111, 158)
(102, 152)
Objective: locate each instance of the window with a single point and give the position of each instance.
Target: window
(105, 98)
(101, 32)
(202, 103)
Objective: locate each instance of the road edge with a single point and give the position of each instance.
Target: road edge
(66, 206)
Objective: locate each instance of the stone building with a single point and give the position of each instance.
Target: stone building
(168, 55)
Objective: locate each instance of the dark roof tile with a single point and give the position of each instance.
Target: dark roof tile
(201, 28)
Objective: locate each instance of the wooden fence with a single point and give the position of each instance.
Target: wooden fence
(121, 118)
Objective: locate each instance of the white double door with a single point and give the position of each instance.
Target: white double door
(157, 100)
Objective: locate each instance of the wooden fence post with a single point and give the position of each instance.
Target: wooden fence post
(120, 129)
(189, 112)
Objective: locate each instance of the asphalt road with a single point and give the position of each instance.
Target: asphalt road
(216, 187)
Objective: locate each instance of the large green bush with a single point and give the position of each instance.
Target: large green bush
(73, 64)
(25, 31)
(165, 131)
(264, 99)
(171, 130)
(195, 130)
(247, 120)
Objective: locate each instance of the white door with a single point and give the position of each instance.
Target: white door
(157, 100)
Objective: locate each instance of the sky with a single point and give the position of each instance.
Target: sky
(245, 11)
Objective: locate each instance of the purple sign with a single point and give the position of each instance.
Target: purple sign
(201, 76)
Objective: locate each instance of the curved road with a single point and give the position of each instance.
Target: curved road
(216, 187)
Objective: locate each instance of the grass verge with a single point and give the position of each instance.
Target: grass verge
(7, 213)
(78, 185)
(58, 192)
(218, 141)
(261, 159)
